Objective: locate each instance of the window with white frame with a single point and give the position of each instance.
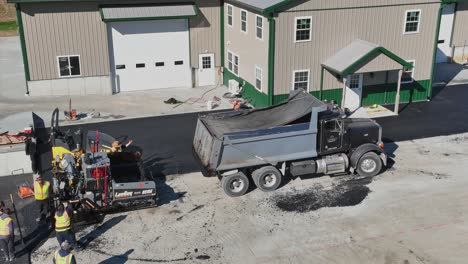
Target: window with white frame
(354, 81)
(259, 27)
(243, 18)
(233, 63)
(230, 12)
(258, 78)
(69, 65)
(408, 73)
(303, 27)
(301, 80)
(412, 21)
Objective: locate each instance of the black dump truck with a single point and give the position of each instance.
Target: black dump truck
(301, 136)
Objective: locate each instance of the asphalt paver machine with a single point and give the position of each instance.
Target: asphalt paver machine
(95, 180)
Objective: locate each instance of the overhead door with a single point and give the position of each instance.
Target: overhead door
(150, 54)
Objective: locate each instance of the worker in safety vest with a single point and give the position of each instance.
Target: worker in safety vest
(7, 235)
(64, 254)
(117, 146)
(41, 193)
(63, 225)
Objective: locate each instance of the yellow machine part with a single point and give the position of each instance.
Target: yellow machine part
(60, 151)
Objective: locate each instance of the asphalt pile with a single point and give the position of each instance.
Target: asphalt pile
(345, 193)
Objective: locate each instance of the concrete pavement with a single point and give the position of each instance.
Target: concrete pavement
(413, 213)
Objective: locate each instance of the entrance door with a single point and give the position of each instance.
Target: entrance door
(444, 51)
(206, 70)
(353, 92)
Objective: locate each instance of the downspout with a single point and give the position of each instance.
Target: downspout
(439, 18)
(453, 31)
(271, 59)
(321, 83)
(23, 46)
(222, 36)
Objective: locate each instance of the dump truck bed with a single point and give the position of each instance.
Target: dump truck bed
(232, 140)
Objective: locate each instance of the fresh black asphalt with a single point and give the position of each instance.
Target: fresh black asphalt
(166, 141)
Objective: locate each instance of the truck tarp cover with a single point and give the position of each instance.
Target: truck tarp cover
(299, 104)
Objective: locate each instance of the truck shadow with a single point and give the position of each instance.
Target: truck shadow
(118, 259)
(155, 167)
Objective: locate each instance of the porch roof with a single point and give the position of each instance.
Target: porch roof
(359, 52)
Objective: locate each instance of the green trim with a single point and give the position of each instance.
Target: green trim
(23, 44)
(385, 94)
(351, 68)
(222, 17)
(434, 55)
(271, 60)
(329, 94)
(249, 92)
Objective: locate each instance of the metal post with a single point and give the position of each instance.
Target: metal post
(17, 219)
(344, 94)
(397, 98)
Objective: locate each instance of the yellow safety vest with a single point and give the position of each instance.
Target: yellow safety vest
(41, 191)
(62, 223)
(4, 228)
(63, 260)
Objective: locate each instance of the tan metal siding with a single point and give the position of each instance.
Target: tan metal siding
(328, 4)
(334, 29)
(205, 31)
(460, 33)
(251, 51)
(376, 78)
(55, 29)
(379, 63)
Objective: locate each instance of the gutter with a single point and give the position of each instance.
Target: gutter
(436, 40)
(271, 59)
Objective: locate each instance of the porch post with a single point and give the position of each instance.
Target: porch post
(397, 98)
(344, 94)
(321, 83)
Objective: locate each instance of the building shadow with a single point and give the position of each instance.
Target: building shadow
(90, 237)
(118, 259)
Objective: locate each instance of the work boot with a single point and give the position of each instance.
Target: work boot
(11, 259)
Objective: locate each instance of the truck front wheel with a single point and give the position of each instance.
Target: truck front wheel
(267, 178)
(369, 165)
(235, 185)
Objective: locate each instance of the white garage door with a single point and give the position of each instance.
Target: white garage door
(150, 54)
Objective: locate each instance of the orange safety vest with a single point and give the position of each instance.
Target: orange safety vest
(41, 191)
(62, 223)
(63, 260)
(4, 228)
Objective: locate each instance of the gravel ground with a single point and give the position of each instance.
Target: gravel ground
(415, 212)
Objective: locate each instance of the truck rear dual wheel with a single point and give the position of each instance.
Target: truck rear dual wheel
(267, 178)
(235, 185)
(369, 165)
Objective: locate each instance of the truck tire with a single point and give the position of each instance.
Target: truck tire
(369, 165)
(267, 178)
(235, 185)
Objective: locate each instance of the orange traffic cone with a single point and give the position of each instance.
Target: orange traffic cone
(25, 192)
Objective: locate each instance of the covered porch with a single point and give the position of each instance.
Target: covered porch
(362, 63)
